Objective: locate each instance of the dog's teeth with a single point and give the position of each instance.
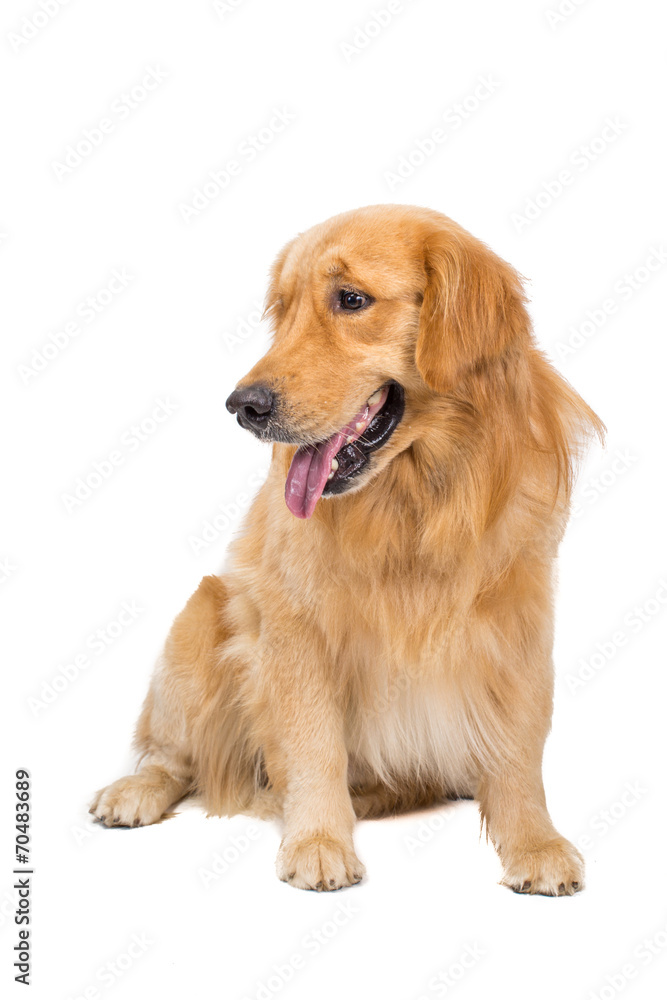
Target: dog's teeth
(330, 476)
(350, 439)
(375, 398)
(360, 426)
(334, 464)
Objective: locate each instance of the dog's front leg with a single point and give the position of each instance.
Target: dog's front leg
(535, 857)
(306, 760)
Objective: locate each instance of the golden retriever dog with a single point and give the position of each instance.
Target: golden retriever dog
(382, 638)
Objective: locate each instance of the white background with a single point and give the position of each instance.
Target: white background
(359, 103)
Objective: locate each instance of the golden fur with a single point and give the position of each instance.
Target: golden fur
(395, 649)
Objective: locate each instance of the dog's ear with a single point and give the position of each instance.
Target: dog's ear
(473, 307)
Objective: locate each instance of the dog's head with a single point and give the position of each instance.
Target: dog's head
(377, 313)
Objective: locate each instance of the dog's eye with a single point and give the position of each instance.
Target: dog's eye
(352, 300)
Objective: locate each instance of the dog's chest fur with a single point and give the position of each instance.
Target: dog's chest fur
(410, 712)
(419, 663)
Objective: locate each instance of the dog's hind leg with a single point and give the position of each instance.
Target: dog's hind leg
(181, 685)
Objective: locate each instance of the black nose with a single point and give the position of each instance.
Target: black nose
(254, 405)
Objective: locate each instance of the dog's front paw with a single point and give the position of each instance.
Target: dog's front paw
(554, 868)
(131, 801)
(321, 863)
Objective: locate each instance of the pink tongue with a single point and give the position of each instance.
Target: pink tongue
(308, 475)
(311, 465)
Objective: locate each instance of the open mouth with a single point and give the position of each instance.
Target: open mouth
(329, 467)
